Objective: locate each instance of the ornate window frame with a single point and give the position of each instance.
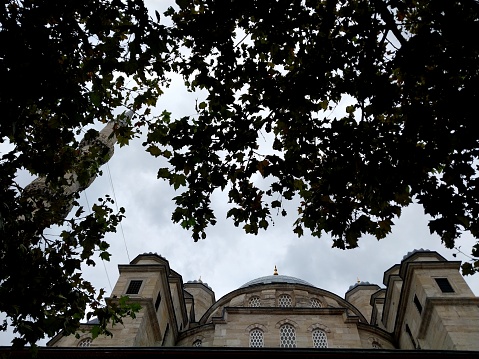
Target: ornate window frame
(85, 342)
(287, 336)
(198, 341)
(254, 301)
(375, 343)
(285, 298)
(320, 338)
(315, 302)
(256, 338)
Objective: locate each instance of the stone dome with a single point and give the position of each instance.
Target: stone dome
(414, 251)
(199, 281)
(359, 283)
(269, 279)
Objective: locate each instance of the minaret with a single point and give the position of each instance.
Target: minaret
(41, 195)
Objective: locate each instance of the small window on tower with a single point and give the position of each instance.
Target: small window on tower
(157, 302)
(134, 287)
(418, 304)
(444, 285)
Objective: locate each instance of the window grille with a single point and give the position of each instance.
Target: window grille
(284, 300)
(85, 342)
(315, 303)
(134, 287)
(444, 285)
(287, 336)
(198, 343)
(256, 338)
(254, 302)
(320, 339)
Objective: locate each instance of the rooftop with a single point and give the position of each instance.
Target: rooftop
(276, 279)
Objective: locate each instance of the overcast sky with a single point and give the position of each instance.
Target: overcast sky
(228, 257)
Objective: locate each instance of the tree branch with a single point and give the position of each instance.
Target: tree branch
(389, 20)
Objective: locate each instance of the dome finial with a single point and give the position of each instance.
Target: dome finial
(358, 280)
(275, 271)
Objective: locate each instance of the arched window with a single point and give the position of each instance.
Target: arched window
(198, 343)
(319, 339)
(287, 336)
(256, 338)
(284, 300)
(84, 342)
(254, 302)
(315, 303)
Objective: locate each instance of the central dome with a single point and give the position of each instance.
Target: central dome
(269, 279)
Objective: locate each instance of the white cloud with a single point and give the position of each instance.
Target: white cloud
(229, 258)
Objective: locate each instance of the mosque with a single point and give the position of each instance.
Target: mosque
(424, 309)
(424, 305)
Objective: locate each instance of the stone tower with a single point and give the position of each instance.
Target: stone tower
(428, 304)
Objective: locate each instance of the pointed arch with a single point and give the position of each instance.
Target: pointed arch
(319, 325)
(256, 326)
(286, 321)
(320, 339)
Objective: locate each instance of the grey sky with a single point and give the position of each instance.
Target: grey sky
(228, 257)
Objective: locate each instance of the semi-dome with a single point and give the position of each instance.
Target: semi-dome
(276, 279)
(409, 254)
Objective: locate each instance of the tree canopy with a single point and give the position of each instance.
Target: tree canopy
(409, 74)
(368, 105)
(64, 66)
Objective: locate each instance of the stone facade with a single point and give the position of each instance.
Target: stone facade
(425, 304)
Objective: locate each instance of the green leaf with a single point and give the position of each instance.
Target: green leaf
(275, 204)
(350, 109)
(154, 150)
(105, 256)
(95, 331)
(95, 99)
